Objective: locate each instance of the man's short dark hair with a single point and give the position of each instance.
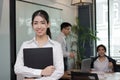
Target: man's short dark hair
(65, 24)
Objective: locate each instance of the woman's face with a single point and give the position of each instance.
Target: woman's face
(101, 51)
(40, 26)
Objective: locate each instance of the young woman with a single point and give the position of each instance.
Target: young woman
(102, 62)
(40, 24)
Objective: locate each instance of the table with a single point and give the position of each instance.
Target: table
(67, 74)
(101, 76)
(109, 76)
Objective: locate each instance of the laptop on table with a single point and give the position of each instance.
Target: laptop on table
(84, 76)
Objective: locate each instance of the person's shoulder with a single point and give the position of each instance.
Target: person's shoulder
(27, 42)
(110, 58)
(94, 58)
(60, 35)
(56, 43)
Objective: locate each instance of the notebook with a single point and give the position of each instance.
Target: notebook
(38, 58)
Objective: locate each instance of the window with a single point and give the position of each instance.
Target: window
(115, 29)
(102, 22)
(108, 26)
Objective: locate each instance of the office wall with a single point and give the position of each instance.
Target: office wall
(1, 5)
(24, 11)
(69, 12)
(4, 41)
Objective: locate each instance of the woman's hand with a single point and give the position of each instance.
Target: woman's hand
(48, 71)
(110, 65)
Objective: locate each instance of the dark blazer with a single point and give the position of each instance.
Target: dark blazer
(110, 60)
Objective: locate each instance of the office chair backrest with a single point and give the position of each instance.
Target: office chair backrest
(83, 76)
(85, 65)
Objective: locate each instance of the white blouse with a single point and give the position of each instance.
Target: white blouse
(25, 71)
(102, 66)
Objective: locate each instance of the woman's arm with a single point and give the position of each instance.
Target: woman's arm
(112, 64)
(58, 62)
(25, 71)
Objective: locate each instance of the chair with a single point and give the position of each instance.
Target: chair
(83, 76)
(85, 65)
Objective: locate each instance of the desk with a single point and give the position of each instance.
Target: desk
(67, 74)
(102, 76)
(109, 76)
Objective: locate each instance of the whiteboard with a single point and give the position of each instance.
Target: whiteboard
(24, 11)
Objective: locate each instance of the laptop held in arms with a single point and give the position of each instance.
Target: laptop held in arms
(38, 58)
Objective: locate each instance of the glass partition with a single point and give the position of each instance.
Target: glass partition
(24, 11)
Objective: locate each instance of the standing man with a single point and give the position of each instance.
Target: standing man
(61, 38)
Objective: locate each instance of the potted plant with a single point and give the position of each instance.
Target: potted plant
(83, 35)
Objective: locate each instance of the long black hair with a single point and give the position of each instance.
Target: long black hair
(101, 45)
(44, 15)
